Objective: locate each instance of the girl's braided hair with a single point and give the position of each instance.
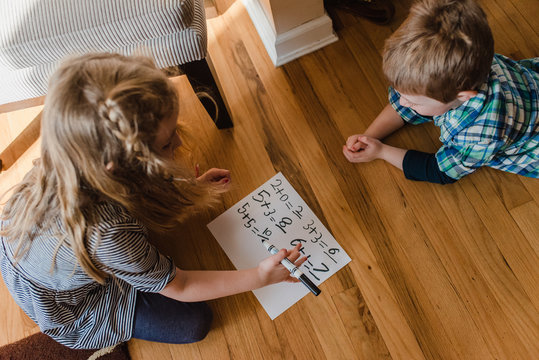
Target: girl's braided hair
(99, 122)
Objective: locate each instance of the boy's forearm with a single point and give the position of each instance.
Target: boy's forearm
(393, 155)
(189, 286)
(385, 123)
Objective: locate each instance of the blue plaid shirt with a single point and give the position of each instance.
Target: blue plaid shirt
(497, 128)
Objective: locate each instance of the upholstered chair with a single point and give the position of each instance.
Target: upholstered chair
(35, 35)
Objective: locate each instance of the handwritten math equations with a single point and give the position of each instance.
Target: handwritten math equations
(276, 213)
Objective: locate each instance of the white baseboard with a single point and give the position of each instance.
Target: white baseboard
(294, 43)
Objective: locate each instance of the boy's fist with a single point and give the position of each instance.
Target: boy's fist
(354, 144)
(368, 148)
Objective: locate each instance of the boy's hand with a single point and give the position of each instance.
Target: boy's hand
(216, 176)
(271, 271)
(354, 144)
(370, 149)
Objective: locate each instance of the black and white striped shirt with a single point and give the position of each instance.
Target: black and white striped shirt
(69, 305)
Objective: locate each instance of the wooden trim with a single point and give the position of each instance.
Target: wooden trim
(23, 104)
(294, 43)
(21, 143)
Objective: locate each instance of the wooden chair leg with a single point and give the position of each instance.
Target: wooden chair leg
(17, 147)
(206, 88)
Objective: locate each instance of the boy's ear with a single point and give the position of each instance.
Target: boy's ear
(466, 95)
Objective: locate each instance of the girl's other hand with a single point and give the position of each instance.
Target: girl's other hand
(216, 176)
(271, 271)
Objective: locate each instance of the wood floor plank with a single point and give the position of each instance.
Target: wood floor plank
(520, 312)
(330, 329)
(515, 249)
(527, 216)
(24, 105)
(464, 275)
(339, 104)
(13, 123)
(297, 336)
(14, 323)
(20, 144)
(360, 326)
(141, 349)
(438, 316)
(327, 134)
(367, 58)
(280, 145)
(518, 44)
(510, 189)
(525, 36)
(401, 342)
(261, 108)
(532, 185)
(240, 327)
(528, 11)
(204, 243)
(437, 272)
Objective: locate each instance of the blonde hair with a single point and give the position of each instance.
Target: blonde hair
(102, 109)
(442, 48)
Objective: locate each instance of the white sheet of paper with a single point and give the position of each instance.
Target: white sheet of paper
(277, 213)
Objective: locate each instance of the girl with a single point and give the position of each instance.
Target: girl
(75, 253)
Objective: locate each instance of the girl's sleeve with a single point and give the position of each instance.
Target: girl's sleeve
(407, 114)
(125, 253)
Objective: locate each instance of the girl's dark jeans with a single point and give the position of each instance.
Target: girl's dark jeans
(162, 319)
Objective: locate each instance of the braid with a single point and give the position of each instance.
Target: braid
(118, 125)
(125, 129)
(102, 109)
(115, 120)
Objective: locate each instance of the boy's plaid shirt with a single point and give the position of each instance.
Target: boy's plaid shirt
(497, 128)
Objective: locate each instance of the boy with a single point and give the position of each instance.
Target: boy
(441, 67)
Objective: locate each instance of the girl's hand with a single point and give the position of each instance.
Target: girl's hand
(369, 149)
(354, 144)
(271, 271)
(216, 176)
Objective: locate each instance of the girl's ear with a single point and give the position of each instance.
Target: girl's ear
(109, 166)
(466, 95)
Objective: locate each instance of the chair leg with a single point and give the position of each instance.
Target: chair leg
(201, 78)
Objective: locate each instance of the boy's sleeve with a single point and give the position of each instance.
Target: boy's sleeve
(458, 163)
(421, 166)
(532, 64)
(125, 253)
(407, 114)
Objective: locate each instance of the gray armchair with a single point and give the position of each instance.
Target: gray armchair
(35, 35)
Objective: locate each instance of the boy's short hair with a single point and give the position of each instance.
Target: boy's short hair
(442, 48)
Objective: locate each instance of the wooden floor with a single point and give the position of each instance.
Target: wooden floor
(437, 272)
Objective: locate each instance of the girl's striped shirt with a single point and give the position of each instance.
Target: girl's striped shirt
(67, 303)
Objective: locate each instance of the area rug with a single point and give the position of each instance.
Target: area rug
(41, 347)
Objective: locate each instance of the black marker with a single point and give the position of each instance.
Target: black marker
(294, 271)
